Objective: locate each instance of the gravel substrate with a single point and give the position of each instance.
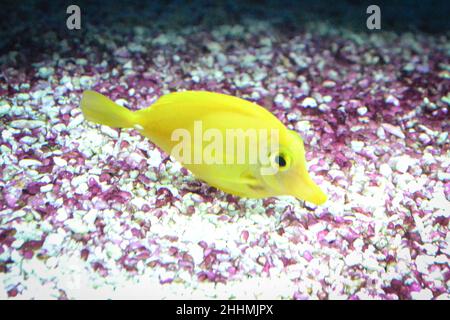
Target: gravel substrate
(87, 211)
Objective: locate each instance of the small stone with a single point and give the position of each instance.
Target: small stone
(61, 215)
(424, 294)
(423, 262)
(328, 84)
(446, 99)
(47, 188)
(371, 264)
(431, 249)
(444, 74)
(45, 72)
(381, 133)
(324, 107)
(442, 138)
(282, 101)
(76, 225)
(424, 138)
(443, 176)
(385, 170)
(128, 65)
(309, 103)
(293, 116)
(121, 102)
(113, 251)
(4, 109)
(396, 131)
(110, 132)
(24, 163)
(28, 140)
(362, 110)
(392, 100)
(327, 99)
(82, 188)
(403, 163)
(404, 254)
(60, 162)
(81, 62)
(53, 243)
(27, 124)
(23, 96)
(353, 259)
(214, 46)
(357, 146)
(402, 167)
(86, 82)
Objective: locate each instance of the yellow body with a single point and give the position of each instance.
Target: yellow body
(221, 112)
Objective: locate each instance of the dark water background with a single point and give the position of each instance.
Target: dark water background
(22, 22)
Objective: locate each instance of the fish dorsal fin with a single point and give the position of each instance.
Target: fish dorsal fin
(212, 101)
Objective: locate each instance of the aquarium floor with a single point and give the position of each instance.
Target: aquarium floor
(91, 212)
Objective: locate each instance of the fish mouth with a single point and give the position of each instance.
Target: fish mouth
(306, 189)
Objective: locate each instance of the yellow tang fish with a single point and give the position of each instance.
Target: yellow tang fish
(230, 143)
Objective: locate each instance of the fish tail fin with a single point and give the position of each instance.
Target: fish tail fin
(99, 109)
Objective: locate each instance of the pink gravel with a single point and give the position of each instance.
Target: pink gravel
(92, 212)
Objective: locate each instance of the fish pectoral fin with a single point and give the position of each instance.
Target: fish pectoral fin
(249, 179)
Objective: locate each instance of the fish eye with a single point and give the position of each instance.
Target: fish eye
(281, 161)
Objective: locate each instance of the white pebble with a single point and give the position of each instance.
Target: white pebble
(371, 264)
(24, 163)
(352, 259)
(61, 215)
(76, 121)
(443, 176)
(424, 294)
(110, 132)
(442, 138)
(394, 130)
(309, 103)
(60, 162)
(121, 102)
(90, 217)
(53, 242)
(28, 140)
(76, 181)
(392, 100)
(82, 188)
(423, 262)
(385, 170)
(86, 82)
(324, 107)
(29, 124)
(431, 249)
(128, 65)
(381, 133)
(47, 188)
(4, 109)
(76, 225)
(362, 110)
(404, 254)
(403, 163)
(45, 72)
(424, 138)
(282, 101)
(357, 146)
(113, 251)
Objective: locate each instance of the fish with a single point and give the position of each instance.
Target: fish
(230, 143)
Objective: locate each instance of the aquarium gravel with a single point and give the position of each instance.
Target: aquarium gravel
(91, 212)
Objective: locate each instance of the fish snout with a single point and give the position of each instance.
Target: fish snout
(306, 189)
